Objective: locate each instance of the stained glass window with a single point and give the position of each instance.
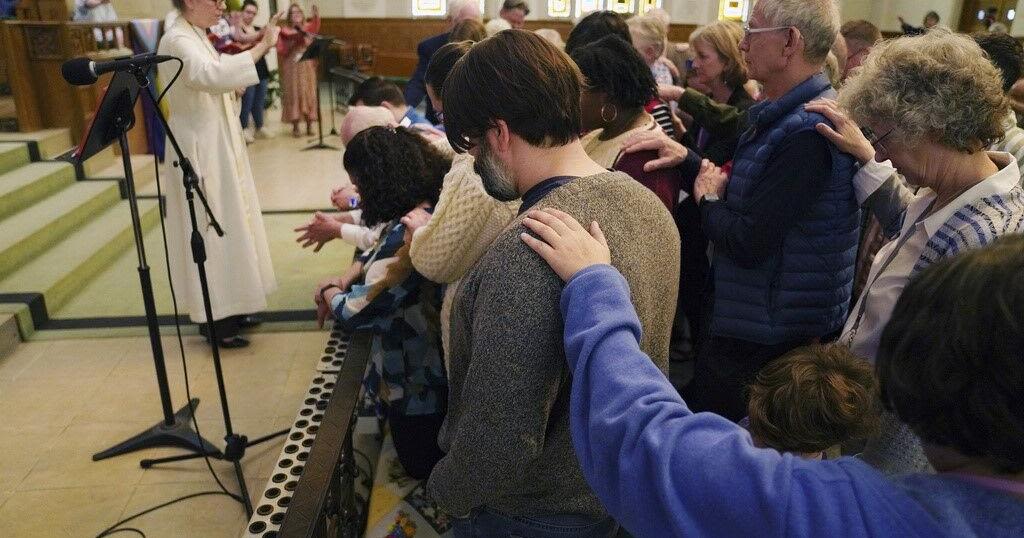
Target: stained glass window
(586, 6)
(428, 8)
(560, 8)
(647, 5)
(622, 6)
(734, 10)
(435, 8)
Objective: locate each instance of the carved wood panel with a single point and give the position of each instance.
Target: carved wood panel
(44, 42)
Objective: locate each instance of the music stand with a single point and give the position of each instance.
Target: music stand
(315, 51)
(112, 121)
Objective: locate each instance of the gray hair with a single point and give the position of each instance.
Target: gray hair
(937, 86)
(455, 7)
(817, 20)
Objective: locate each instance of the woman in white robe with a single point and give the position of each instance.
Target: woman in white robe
(203, 118)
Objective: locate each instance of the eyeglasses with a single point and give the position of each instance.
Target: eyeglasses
(876, 141)
(748, 31)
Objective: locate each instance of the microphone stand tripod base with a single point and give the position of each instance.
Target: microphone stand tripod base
(179, 434)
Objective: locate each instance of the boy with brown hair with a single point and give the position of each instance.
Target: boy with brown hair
(813, 399)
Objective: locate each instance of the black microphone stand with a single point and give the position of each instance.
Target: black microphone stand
(176, 428)
(235, 443)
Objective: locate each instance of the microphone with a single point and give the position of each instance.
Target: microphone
(83, 71)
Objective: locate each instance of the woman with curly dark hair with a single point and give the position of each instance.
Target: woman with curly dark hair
(395, 171)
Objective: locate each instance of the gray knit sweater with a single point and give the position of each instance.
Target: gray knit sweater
(507, 431)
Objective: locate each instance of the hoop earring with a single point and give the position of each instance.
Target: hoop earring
(615, 113)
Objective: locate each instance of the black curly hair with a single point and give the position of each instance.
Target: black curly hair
(395, 170)
(613, 67)
(595, 26)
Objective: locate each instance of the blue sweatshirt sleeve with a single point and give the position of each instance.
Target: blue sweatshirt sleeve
(662, 470)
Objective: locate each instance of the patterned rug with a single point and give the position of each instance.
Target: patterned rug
(399, 506)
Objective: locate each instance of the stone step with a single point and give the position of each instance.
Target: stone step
(32, 182)
(142, 171)
(9, 336)
(32, 231)
(51, 142)
(73, 262)
(13, 155)
(102, 161)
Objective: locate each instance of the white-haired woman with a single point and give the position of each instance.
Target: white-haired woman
(930, 107)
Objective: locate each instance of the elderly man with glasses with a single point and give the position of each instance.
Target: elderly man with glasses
(784, 223)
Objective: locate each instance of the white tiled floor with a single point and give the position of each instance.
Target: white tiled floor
(61, 401)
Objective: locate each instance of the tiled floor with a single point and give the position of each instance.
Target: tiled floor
(61, 401)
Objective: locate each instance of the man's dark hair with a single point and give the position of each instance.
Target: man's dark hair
(613, 67)
(516, 4)
(520, 78)
(595, 26)
(375, 91)
(179, 5)
(395, 170)
(1005, 53)
(363, 90)
(950, 360)
(250, 3)
(442, 62)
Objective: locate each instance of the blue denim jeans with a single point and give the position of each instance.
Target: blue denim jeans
(253, 102)
(485, 523)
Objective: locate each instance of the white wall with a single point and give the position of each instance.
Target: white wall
(881, 12)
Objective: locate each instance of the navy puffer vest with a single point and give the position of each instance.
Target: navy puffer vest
(802, 291)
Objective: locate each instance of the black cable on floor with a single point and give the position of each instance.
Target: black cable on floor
(113, 529)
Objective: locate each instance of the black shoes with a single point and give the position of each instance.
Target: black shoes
(233, 342)
(229, 342)
(249, 321)
(231, 326)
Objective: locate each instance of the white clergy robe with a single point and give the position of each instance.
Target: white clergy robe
(203, 118)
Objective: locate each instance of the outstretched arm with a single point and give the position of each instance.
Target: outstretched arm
(659, 469)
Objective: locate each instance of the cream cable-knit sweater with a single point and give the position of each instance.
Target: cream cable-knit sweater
(465, 222)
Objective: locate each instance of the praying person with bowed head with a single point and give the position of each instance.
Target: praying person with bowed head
(662, 470)
(509, 468)
(446, 244)
(416, 90)
(347, 224)
(395, 171)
